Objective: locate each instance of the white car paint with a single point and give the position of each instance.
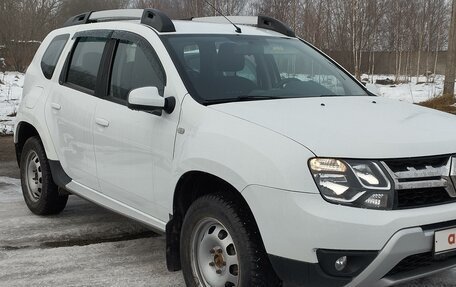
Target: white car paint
(147, 96)
(353, 127)
(70, 116)
(333, 224)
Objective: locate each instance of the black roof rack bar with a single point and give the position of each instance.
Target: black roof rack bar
(260, 21)
(150, 17)
(78, 19)
(157, 20)
(270, 23)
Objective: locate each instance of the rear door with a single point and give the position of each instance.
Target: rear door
(133, 147)
(72, 106)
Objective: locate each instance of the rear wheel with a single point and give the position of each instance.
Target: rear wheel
(220, 248)
(39, 190)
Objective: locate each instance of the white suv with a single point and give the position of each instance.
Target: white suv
(263, 161)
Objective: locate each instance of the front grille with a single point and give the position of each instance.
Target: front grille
(398, 165)
(410, 198)
(420, 182)
(417, 261)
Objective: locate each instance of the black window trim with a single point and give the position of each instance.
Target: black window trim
(100, 33)
(108, 63)
(64, 73)
(65, 37)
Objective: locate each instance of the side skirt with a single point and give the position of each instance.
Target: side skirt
(116, 206)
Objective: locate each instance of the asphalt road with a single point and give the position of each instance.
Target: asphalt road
(87, 245)
(8, 164)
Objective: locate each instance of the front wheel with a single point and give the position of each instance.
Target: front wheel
(221, 248)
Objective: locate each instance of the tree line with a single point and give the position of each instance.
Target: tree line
(357, 29)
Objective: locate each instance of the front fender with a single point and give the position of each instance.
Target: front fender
(239, 152)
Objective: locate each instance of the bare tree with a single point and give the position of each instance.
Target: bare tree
(24, 24)
(451, 57)
(358, 33)
(69, 8)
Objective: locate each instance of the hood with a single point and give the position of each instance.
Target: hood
(353, 127)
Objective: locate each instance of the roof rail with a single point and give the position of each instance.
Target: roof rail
(270, 23)
(150, 17)
(259, 21)
(78, 19)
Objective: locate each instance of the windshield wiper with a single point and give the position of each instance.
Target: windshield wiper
(250, 98)
(242, 99)
(336, 95)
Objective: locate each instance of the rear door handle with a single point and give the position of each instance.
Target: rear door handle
(56, 106)
(102, 122)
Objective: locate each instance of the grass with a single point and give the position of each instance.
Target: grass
(442, 103)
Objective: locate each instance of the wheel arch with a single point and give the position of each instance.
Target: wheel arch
(191, 186)
(24, 131)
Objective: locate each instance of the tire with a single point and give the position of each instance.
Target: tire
(38, 188)
(221, 247)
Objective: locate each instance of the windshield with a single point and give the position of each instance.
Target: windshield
(227, 68)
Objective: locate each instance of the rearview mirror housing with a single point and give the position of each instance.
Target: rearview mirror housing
(149, 99)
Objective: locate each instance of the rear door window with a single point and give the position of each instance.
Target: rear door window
(85, 62)
(52, 54)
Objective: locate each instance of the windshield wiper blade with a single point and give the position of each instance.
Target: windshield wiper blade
(250, 98)
(242, 98)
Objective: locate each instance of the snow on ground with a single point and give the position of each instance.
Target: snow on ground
(10, 95)
(418, 90)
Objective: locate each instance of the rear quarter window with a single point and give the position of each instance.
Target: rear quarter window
(52, 54)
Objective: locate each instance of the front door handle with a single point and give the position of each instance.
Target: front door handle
(56, 106)
(102, 122)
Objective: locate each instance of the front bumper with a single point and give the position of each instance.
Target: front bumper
(295, 225)
(405, 243)
(297, 273)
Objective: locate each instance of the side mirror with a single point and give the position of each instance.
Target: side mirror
(148, 99)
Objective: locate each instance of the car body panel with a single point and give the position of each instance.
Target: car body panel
(353, 127)
(314, 223)
(239, 152)
(71, 127)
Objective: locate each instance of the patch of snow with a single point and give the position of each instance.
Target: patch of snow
(418, 90)
(11, 84)
(24, 41)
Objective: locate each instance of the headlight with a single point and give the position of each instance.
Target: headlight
(359, 183)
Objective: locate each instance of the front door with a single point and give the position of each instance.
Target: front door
(131, 147)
